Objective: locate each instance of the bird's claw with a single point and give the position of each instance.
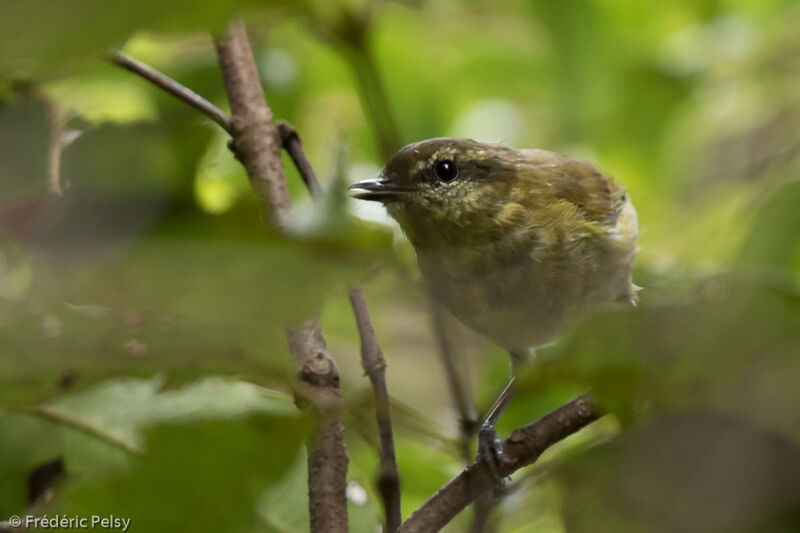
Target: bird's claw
(490, 451)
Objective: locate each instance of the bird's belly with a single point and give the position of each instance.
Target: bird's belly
(520, 303)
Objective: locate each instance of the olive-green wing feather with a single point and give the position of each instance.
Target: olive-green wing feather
(599, 196)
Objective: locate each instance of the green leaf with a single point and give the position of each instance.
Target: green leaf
(99, 431)
(202, 476)
(38, 37)
(123, 408)
(695, 471)
(774, 237)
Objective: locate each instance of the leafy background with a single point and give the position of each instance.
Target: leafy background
(141, 313)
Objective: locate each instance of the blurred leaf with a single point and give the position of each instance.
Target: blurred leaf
(27, 442)
(774, 237)
(732, 345)
(24, 139)
(124, 407)
(96, 431)
(210, 473)
(109, 98)
(220, 179)
(692, 472)
(196, 305)
(57, 34)
(283, 507)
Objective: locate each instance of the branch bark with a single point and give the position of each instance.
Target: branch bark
(327, 455)
(256, 140)
(257, 144)
(375, 367)
(521, 448)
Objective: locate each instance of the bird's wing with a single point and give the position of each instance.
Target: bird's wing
(597, 195)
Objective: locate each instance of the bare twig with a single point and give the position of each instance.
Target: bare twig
(521, 448)
(257, 144)
(375, 367)
(291, 143)
(173, 87)
(468, 422)
(56, 121)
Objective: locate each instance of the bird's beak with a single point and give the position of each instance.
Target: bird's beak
(378, 189)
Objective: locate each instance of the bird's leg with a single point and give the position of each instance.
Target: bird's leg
(489, 449)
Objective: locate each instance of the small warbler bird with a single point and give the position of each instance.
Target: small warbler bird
(514, 243)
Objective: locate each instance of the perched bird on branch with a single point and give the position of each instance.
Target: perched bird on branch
(515, 243)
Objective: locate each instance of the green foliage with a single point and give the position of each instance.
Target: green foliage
(139, 310)
(210, 473)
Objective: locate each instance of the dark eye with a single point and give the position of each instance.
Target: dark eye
(445, 170)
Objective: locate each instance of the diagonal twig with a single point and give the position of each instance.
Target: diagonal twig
(291, 143)
(173, 87)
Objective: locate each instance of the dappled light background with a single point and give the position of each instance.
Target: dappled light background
(143, 307)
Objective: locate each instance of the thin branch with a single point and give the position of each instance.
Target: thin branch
(521, 448)
(468, 422)
(56, 121)
(173, 87)
(257, 144)
(375, 367)
(291, 143)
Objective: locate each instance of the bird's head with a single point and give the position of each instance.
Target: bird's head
(445, 191)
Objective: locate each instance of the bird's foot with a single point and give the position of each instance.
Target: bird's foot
(490, 451)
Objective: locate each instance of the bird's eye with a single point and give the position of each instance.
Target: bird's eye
(445, 170)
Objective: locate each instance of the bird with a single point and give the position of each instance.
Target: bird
(516, 244)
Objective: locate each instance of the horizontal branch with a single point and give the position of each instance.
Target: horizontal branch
(523, 447)
(173, 87)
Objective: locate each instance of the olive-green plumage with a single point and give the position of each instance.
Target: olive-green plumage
(513, 242)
